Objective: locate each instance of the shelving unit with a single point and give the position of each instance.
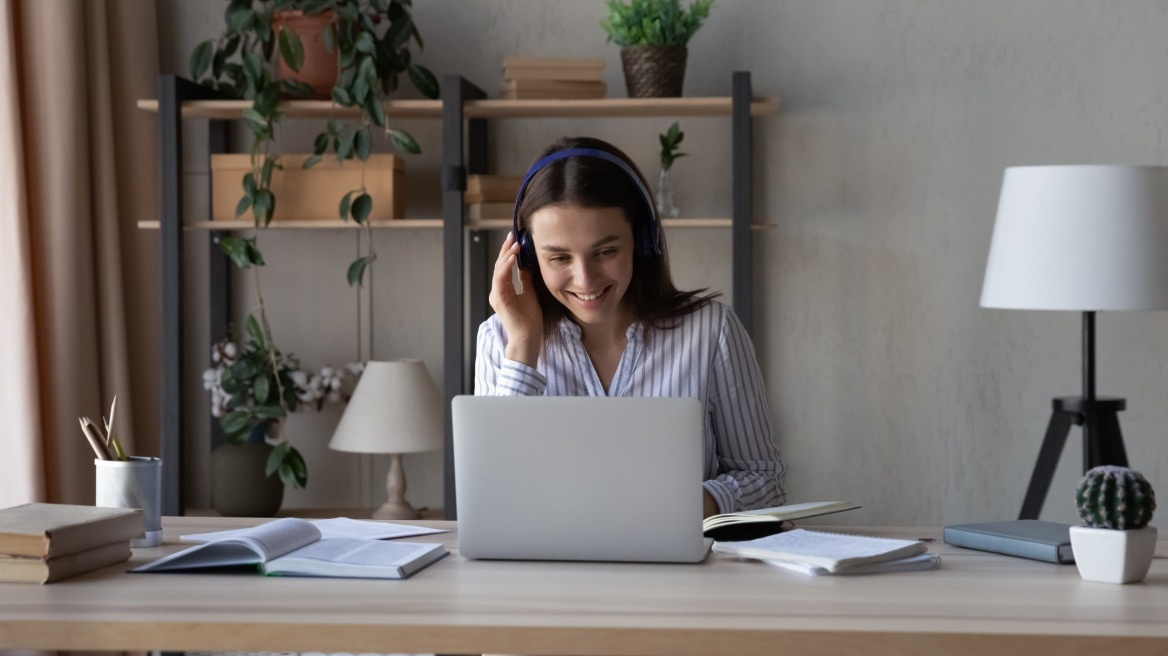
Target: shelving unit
(464, 112)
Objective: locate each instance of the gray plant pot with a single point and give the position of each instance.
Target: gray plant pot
(239, 486)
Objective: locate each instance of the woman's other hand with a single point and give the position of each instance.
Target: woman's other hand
(519, 312)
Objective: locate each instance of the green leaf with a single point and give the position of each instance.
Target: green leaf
(269, 411)
(376, 110)
(335, 127)
(255, 120)
(266, 101)
(249, 184)
(297, 88)
(244, 204)
(403, 141)
(362, 143)
(254, 256)
(291, 49)
(364, 43)
(345, 206)
(295, 462)
(253, 68)
(329, 39)
(239, 16)
(275, 458)
(361, 208)
(264, 206)
(201, 59)
(236, 249)
(218, 65)
(357, 270)
(260, 390)
(320, 144)
(345, 146)
(231, 46)
(266, 172)
(424, 81)
(254, 331)
(236, 421)
(312, 161)
(341, 97)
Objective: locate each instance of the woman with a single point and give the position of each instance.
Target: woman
(606, 319)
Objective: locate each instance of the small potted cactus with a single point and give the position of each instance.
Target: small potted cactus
(1116, 544)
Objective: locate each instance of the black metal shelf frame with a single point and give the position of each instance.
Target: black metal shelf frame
(465, 306)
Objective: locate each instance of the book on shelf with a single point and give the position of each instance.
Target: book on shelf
(489, 211)
(1025, 538)
(553, 68)
(491, 188)
(750, 524)
(819, 552)
(538, 89)
(294, 547)
(31, 569)
(51, 530)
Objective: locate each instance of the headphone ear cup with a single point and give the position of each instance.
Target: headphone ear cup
(526, 252)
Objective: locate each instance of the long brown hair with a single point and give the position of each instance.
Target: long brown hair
(590, 182)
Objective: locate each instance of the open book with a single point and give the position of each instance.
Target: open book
(294, 547)
(751, 524)
(817, 552)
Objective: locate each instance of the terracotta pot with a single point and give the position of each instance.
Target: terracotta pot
(319, 69)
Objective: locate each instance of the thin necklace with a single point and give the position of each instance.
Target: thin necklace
(602, 350)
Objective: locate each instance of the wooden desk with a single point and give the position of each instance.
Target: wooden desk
(977, 603)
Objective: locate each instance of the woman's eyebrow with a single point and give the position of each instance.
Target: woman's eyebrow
(552, 248)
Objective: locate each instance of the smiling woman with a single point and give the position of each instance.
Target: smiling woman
(597, 314)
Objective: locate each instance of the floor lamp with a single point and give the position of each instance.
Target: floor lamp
(1087, 239)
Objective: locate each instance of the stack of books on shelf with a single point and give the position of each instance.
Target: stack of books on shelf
(820, 553)
(46, 542)
(491, 196)
(559, 78)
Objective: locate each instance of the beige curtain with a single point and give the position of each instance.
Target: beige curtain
(78, 280)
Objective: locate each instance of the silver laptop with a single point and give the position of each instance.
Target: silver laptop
(579, 478)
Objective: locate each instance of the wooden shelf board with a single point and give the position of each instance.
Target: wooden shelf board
(323, 224)
(598, 107)
(420, 224)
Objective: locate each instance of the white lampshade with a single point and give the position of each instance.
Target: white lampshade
(396, 408)
(1084, 238)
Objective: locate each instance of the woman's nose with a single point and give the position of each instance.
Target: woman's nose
(583, 272)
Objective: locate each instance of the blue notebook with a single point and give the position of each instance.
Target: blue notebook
(1026, 538)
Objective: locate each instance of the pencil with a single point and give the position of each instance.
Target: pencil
(98, 448)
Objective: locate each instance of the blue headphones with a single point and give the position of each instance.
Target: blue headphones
(647, 237)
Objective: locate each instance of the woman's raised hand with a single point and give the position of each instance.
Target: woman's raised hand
(519, 312)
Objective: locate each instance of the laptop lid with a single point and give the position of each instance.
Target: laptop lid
(579, 478)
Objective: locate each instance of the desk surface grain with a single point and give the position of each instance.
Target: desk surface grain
(977, 602)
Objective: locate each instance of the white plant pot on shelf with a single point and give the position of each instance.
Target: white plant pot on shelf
(1113, 556)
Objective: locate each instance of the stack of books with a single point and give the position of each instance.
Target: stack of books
(820, 553)
(491, 196)
(552, 77)
(46, 542)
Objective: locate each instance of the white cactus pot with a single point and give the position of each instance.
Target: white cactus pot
(1113, 556)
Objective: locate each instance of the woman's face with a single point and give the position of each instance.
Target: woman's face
(586, 258)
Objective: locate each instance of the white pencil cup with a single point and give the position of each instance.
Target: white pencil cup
(133, 483)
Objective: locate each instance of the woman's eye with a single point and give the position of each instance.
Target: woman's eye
(558, 258)
(607, 252)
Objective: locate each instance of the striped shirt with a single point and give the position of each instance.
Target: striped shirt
(707, 356)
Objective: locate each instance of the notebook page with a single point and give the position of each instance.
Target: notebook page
(828, 550)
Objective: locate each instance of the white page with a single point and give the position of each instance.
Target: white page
(338, 527)
(912, 563)
(250, 546)
(355, 558)
(828, 550)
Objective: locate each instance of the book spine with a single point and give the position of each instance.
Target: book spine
(1011, 546)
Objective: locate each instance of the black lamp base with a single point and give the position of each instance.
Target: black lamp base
(1102, 443)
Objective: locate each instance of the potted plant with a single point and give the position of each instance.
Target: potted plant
(1116, 544)
(670, 141)
(653, 35)
(254, 387)
(370, 43)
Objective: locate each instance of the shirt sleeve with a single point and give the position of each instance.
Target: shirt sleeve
(750, 468)
(495, 375)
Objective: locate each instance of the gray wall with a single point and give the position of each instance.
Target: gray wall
(888, 384)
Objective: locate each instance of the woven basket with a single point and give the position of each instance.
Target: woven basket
(654, 71)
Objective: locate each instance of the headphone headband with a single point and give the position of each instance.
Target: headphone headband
(651, 239)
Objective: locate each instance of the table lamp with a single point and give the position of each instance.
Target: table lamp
(1088, 239)
(395, 409)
